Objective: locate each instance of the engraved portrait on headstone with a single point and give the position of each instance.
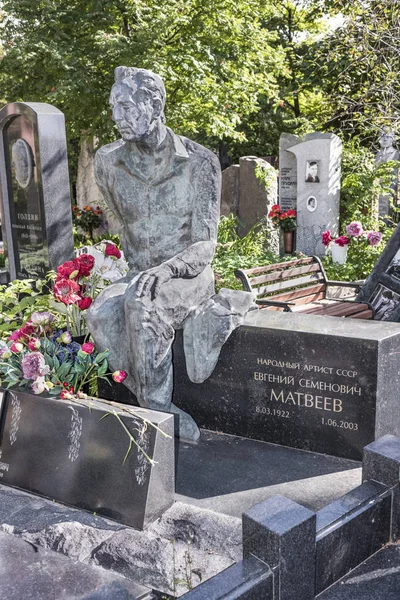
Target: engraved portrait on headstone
(385, 302)
(165, 191)
(22, 161)
(312, 172)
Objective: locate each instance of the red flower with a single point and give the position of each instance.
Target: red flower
(87, 348)
(68, 270)
(65, 291)
(85, 303)
(16, 335)
(112, 250)
(85, 263)
(275, 208)
(326, 238)
(291, 213)
(119, 376)
(343, 240)
(27, 330)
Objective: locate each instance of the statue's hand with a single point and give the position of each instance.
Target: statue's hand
(150, 281)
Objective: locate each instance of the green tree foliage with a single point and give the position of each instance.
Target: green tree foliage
(360, 64)
(215, 56)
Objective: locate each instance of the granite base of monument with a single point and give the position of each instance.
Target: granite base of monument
(68, 451)
(323, 384)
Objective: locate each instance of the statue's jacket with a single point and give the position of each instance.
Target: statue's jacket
(167, 203)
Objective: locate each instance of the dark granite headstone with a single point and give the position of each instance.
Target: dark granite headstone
(35, 205)
(323, 384)
(382, 288)
(69, 452)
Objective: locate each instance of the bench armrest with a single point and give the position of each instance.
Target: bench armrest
(285, 305)
(352, 284)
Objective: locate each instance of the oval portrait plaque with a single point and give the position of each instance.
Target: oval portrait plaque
(22, 160)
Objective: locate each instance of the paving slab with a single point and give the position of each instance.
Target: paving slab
(230, 474)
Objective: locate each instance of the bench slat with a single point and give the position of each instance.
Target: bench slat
(284, 274)
(305, 292)
(290, 283)
(266, 268)
(338, 309)
(366, 314)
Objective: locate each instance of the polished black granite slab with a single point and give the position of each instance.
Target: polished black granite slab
(317, 383)
(250, 579)
(281, 533)
(33, 573)
(229, 474)
(378, 578)
(381, 462)
(322, 384)
(350, 530)
(69, 452)
(35, 204)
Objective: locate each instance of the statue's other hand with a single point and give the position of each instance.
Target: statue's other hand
(150, 281)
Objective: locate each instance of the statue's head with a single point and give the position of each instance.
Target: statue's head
(137, 100)
(386, 137)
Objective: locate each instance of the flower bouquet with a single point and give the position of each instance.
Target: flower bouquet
(340, 244)
(79, 281)
(44, 360)
(285, 220)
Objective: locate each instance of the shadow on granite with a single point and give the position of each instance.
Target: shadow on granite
(377, 578)
(230, 474)
(33, 573)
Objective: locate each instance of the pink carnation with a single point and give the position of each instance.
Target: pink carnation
(374, 238)
(355, 229)
(343, 240)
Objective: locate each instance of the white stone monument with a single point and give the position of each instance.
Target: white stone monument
(387, 153)
(317, 157)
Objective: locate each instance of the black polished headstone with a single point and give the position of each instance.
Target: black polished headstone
(323, 384)
(35, 204)
(281, 533)
(74, 452)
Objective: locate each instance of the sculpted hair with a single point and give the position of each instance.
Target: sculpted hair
(144, 80)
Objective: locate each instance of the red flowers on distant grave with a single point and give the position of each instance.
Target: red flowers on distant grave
(285, 220)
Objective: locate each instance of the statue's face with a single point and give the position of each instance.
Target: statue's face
(132, 111)
(386, 140)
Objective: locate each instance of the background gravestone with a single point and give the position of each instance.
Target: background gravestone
(386, 154)
(287, 172)
(318, 189)
(35, 205)
(244, 195)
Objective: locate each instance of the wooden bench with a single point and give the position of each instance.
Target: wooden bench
(301, 286)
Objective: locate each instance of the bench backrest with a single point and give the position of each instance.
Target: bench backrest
(302, 280)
